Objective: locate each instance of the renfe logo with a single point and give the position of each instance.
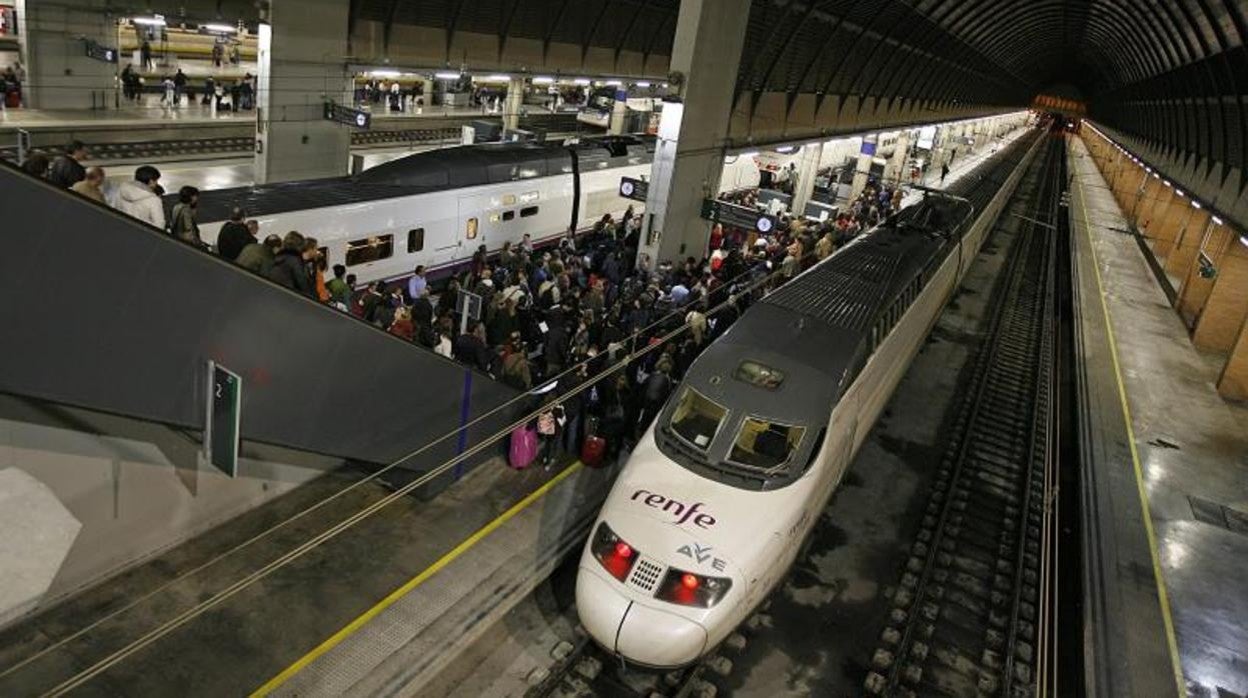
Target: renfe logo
(682, 512)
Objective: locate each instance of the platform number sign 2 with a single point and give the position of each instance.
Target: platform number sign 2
(221, 428)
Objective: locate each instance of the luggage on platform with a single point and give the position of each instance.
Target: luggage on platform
(523, 448)
(593, 450)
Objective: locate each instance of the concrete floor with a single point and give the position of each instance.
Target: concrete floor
(1193, 451)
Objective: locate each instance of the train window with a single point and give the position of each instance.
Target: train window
(765, 444)
(471, 231)
(415, 240)
(758, 375)
(509, 215)
(370, 249)
(528, 211)
(696, 418)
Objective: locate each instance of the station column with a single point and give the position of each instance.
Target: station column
(895, 170)
(53, 35)
(862, 171)
(689, 156)
(513, 104)
(619, 113)
(807, 172)
(301, 66)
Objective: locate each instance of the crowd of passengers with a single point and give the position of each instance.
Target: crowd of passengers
(565, 311)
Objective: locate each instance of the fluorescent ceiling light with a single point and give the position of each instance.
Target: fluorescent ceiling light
(1217, 221)
(543, 80)
(385, 73)
(1168, 184)
(643, 84)
(1196, 204)
(222, 28)
(1180, 192)
(581, 81)
(156, 21)
(664, 86)
(446, 76)
(751, 154)
(497, 77)
(1243, 240)
(785, 149)
(613, 83)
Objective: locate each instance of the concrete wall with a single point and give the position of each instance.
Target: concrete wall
(427, 46)
(59, 74)
(132, 489)
(301, 64)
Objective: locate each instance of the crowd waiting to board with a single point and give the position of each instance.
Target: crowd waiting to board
(586, 302)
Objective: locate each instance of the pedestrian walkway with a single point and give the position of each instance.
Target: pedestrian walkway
(1191, 446)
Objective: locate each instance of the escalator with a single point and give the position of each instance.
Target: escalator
(106, 313)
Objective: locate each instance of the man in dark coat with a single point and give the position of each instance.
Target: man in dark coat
(67, 169)
(288, 266)
(234, 235)
(469, 347)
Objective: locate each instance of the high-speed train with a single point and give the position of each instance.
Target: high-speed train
(436, 208)
(715, 502)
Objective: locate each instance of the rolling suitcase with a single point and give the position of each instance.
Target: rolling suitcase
(594, 447)
(523, 447)
(592, 451)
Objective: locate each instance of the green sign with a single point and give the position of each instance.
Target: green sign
(221, 429)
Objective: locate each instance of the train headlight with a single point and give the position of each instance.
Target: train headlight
(615, 554)
(691, 589)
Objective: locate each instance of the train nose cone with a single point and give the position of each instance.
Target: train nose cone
(660, 639)
(638, 633)
(600, 606)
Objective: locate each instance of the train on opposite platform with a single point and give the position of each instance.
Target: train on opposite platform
(437, 208)
(716, 500)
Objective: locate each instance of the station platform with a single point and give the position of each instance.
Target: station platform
(367, 612)
(1166, 593)
(149, 108)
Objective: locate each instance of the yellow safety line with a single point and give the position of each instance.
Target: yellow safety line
(1162, 595)
(350, 628)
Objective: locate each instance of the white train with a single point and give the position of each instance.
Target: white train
(436, 208)
(714, 504)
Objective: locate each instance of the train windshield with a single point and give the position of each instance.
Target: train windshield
(696, 418)
(765, 445)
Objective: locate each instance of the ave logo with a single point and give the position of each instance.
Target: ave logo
(702, 554)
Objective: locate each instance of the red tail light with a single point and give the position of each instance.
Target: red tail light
(689, 589)
(615, 555)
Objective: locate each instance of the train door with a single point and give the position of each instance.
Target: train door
(469, 233)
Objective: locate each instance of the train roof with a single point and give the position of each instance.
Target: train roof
(422, 173)
(819, 324)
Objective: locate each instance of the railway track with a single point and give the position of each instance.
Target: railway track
(969, 607)
(582, 669)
